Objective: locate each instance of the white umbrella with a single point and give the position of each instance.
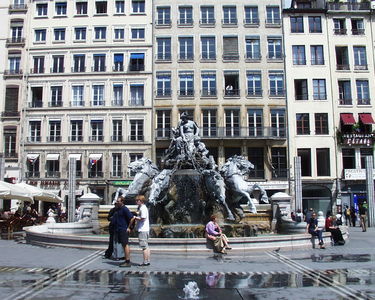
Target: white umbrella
(40, 194)
(11, 191)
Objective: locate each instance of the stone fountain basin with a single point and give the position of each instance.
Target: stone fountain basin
(46, 234)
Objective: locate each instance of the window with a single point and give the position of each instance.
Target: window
(358, 27)
(33, 167)
(59, 34)
(58, 64)
(230, 15)
(363, 92)
(118, 60)
(186, 83)
(230, 49)
(37, 97)
(360, 59)
(56, 96)
(137, 62)
(77, 94)
(345, 93)
(101, 7)
(321, 123)
(208, 84)
(348, 158)
(278, 122)
(138, 33)
(136, 130)
(120, 6)
(254, 83)
(163, 83)
(323, 162)
(136, 94)
(300, 89)
(95, 168)
(319, 86)
(339, 26)
(207, 15)
(40, 35)
(14, 64)
(251, 15)
(76, 131)
(80, 33)
(342, 58)
(41, 9)
(255, 122)
(79, 63)
(100, 33)
(232, 122)
(186, 48)
(164, 48)
(138, 6)
(16, 33)
(208, 46)
(81, 8)
(256, 155)
(118, 95)
(97, 95)
(315, 24)
(299, 57)
(273, 15)
(11, 101)
(60, 8)
(209, 122)
(119, 33)
(163, 16)
(317, 56)
(38, 65)
(185, 15)
(52, 167)
(54, 131)
(10, 142)
(279, 162)
(96, 131)
(116, 165)
(134, 157)
(34, 131)
(99, 63)
(303, 124)
(116, 130)
(274, 48)
(253, 48)
(163, 123)
(365, 152)
(276, 83)
(305, 155)
(296, 24)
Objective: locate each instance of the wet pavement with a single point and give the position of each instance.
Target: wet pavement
(345, 272)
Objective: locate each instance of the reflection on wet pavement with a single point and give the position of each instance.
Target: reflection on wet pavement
(341, 257)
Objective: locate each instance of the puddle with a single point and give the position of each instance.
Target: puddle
(342, 258)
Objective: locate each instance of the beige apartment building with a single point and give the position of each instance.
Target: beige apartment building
(329, 63)
(223, 63)
(88, 93)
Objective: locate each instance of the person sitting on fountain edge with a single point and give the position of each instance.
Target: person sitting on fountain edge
(215, 234)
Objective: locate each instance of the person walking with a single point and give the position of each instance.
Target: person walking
(313, 229)
(143, 228)
(123, 220)
(362, 214)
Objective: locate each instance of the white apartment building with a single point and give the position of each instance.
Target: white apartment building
(223, 63)
(89, 78)
(329, 62)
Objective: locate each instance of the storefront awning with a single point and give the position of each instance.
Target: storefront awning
(366, 119)
(76, 156)
(137, 56)
(95, 156)
(32, 156)
(52, 156)
(347, 119)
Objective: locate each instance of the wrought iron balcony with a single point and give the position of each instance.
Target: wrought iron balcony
(231, 93)
(346, 101)
(348, 6)
(251, 22)
(186, 93)
(54, 138)
(364, 101)
(117, 102)
(96, 138)
(34, 139)
(117, 174)
(52, 174)
(17, 8)
(76, 138)
(116, 138)
(36, 103)
(254, 92)
(207, 22)
(136, 138)
(13, 73)
(32, 174)
(95, 174)
(15, 42)
(55, 104)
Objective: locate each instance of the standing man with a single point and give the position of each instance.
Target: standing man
(143, 228)
(111, 230)
(123, 220)
(362, 213)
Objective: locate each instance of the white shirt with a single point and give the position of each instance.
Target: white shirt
(143, 225)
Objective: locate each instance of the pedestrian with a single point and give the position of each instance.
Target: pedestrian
(143, 228)
(348, 221)
(313, 229)
(353, 216)
(229, 90)
(123, 220)
(108, 253)
(362, 214)
(308, 215)
(215, 234)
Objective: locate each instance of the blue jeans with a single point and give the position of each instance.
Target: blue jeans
(319, 234)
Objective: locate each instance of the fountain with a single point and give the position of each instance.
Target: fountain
(191, 290)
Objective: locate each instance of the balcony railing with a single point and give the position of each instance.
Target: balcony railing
(254, 57)
(163, 92)
(342, 67)
(346, 101)
(78, 70)
(52, 174)
(36, 103)
(363, 101)
(209, 92)
(348, 6)
(13, 73)
(276, 93)
(136, 138)
(254, 92)
(95, 174)
(55, 104)
(163, 133)
(361, 67)
(340, 31)
(32, 174)
(207, 22)
(134, 68)
(117, 102)
(96, 138)
(231, 56)
(10, 114)
(77, 103)
(76, 138)
(317, 61)
(358, 31)
(37, 71)
(229, 22)
(186, 93)
(232, 93)
(116, 138)
(54, 138)
(186, 23)
(116, 174)
(18, 7)
(243, 132)
(275, 22)
(57, 70)
(163, 23)
(34, 139)
(10, 154)
(15, 41)
(118, 68)
(251, 22)
(187, 57)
